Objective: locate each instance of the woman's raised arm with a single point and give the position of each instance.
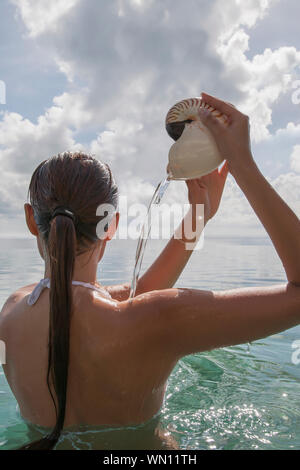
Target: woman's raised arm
(184, 321)
(179, 322)
(282, 225)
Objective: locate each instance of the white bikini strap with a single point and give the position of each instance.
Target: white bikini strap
(45, 283)
(102, 290)
(34, 296)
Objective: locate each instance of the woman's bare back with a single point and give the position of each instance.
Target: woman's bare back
(121, 353)
(115, 378)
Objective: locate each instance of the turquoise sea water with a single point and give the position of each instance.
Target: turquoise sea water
(243, 397)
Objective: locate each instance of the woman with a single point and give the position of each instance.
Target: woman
(79, 353)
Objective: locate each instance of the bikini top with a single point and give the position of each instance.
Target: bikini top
(45, 283)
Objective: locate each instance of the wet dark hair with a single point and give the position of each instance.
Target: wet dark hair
(65, 192)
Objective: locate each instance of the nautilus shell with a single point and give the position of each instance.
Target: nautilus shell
(195, 152)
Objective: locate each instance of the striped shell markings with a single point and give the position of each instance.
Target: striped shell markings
(194, 152)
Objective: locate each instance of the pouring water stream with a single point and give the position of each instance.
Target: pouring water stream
(141, 246)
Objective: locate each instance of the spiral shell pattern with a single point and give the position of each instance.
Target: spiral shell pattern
(194, 152)
(188, 110)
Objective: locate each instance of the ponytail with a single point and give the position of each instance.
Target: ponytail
(64, 236)
(62, 251)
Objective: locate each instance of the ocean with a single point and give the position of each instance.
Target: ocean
(242, 397)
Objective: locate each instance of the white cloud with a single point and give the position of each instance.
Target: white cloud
(25, 145)
(226, 17)
(43, 15)
(130, 66)
(288, 186)
(290, 131)
(262, 79)
(295, 159)
(127, 62)
(118, 141)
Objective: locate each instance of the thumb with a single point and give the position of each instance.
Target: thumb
(209, 120)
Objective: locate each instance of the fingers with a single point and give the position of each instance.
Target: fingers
(220, 174)
(230, 104)
(224, 170)
(225, 108)
(191, 184)
(195, 184)
(210, 121)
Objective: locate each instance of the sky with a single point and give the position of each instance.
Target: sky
(100, 76)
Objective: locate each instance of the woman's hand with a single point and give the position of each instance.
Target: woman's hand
(232, 138)
(208, 190)
(280, 222)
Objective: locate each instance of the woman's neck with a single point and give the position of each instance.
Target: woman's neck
(85, 268)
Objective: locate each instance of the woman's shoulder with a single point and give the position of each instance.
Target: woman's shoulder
(10, 307)
(15, 298)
